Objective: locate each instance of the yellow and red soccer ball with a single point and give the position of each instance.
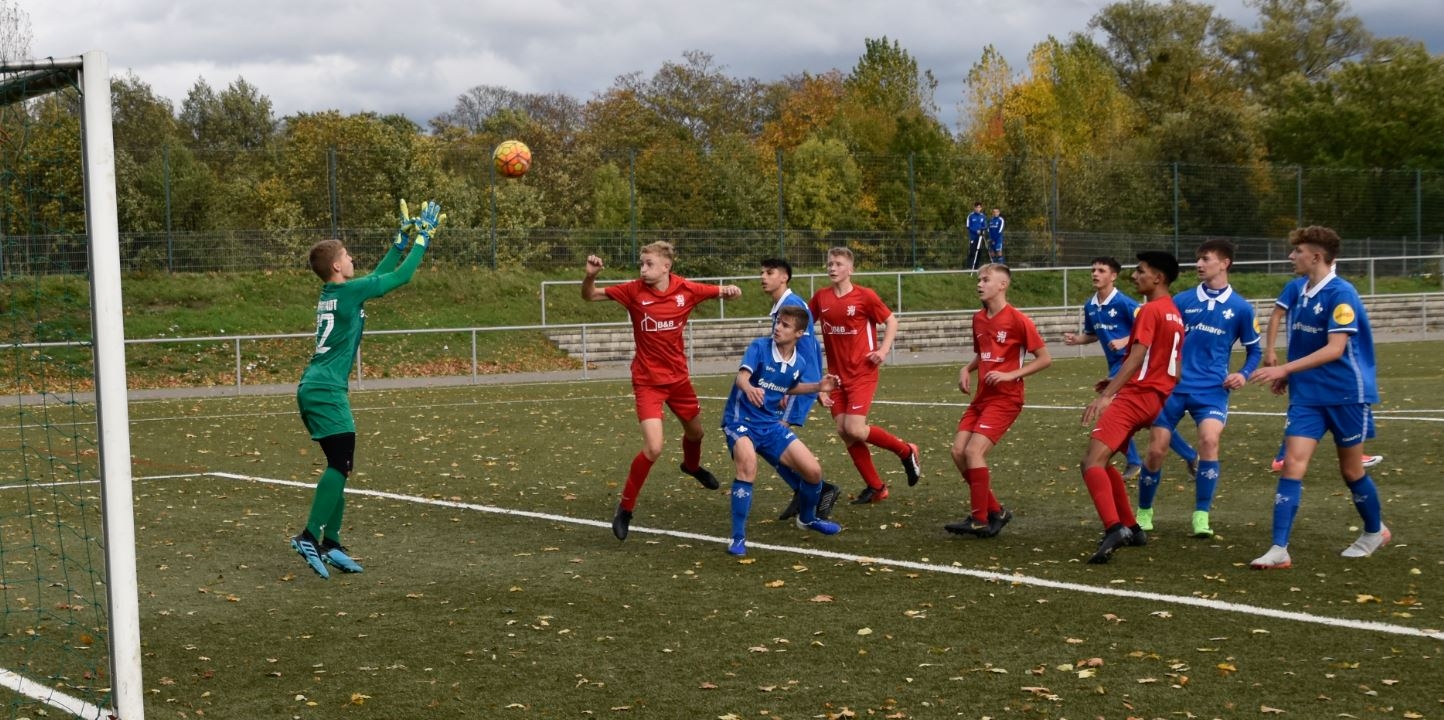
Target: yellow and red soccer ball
(512, 158)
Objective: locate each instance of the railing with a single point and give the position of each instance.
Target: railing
(1423, 322)
(1370, 266)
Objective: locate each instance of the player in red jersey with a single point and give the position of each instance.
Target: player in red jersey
(1001, 334)
(1132, 398)
(848, 316)
(659, 304)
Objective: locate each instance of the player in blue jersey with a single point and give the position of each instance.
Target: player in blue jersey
(1216, 319)
(776, 275)
(977, 234)
(753, 420)
(1331, 382)
(1108, 320)
(995, 237)
(1286, 300)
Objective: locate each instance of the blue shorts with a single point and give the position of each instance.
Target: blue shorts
(1349, 424)
(1211, 405)
(770, 440)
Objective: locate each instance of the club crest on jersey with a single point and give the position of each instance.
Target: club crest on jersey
(1002, 336)
(1318, 308)
(680, 300)
(1228, 313)
(1343, 314)
(851, 310)
(1112, 312)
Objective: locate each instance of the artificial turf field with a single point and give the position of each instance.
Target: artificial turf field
(494, 587)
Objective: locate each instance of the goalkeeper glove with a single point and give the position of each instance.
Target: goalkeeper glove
(403, 231)
(428, 222)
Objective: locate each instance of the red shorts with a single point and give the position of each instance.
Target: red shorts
(1129, 412)
(990, 418)
(680, 396)
(854, 397)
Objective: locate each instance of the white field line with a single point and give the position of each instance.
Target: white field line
(1015, 579)
(52, 697)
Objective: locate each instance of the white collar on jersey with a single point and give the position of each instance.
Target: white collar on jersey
(1310, 292)
(778, 305)
(1104, 301)
(785, 361)
(1222, 297)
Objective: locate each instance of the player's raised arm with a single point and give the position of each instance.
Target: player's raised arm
(590, 291)
(427, 224)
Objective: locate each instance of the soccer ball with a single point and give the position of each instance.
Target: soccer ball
(513, 158)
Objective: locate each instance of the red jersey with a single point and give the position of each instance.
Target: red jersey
(1000, 342)
(1159, 326)
(657, 322)
(849, 329)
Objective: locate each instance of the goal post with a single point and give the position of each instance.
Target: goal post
(25, 212)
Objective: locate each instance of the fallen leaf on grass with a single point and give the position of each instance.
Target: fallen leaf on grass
(1366, 598)
(1227, 668)
(1272, 710)
(774, 584)
(707, 686)
(821, 598)
(359, 699)
(864, 631)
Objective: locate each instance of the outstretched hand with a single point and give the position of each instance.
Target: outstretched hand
(404, 228)
(428, 222)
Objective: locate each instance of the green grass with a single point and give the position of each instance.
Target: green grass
(467, 613)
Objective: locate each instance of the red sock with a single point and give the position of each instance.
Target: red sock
(635, 477)
(1120, 497)
(886, 440)
(691, 453)
(862, 458)
(1101, 488)
(980, 491)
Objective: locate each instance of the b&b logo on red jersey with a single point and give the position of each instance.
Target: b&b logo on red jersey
(651, 324)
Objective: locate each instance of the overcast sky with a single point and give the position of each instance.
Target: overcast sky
(416, 58)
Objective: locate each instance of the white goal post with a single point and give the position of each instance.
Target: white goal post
(90, 73)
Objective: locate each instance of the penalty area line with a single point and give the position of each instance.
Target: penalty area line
(1015, 579)
(52, 697)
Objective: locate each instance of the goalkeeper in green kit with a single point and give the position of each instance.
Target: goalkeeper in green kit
(322, 392)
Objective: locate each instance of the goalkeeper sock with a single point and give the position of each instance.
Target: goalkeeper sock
(329, 490)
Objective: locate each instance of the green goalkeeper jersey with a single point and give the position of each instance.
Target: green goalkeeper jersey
(341, 317)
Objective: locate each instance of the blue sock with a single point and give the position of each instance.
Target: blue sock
(1181, 447)
(741, 507)
(1279, 456)
(1148, 487)
(1205, 484)
(790, 477)
(1132, 454)
(1287, 497)
(1366, 501)
(811, 492)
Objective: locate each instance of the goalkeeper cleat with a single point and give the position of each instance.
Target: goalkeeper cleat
(794, 507)
(1372, 460)
(621, 523)
(911, 465)
(1277, 558)
(1145, 518)
(305, 546)
(337, 556)
(703, 476)
(825, 503)
(826, 527)
(1132, 472)
(1368, 543)
(737, 547)
(1200, 525)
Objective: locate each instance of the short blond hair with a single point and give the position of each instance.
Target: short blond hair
(840, 251)
(324, 255)
(999, 268)
(661, 249)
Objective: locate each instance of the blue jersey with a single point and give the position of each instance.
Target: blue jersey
(977, 222)
(1109, 319)
(995, 230)
(1212, 325)
(771, 372)
(807, 344)
(1333, 306)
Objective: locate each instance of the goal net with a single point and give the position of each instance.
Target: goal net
(69, 624)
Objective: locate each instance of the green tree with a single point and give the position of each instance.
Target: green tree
(823, 188)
